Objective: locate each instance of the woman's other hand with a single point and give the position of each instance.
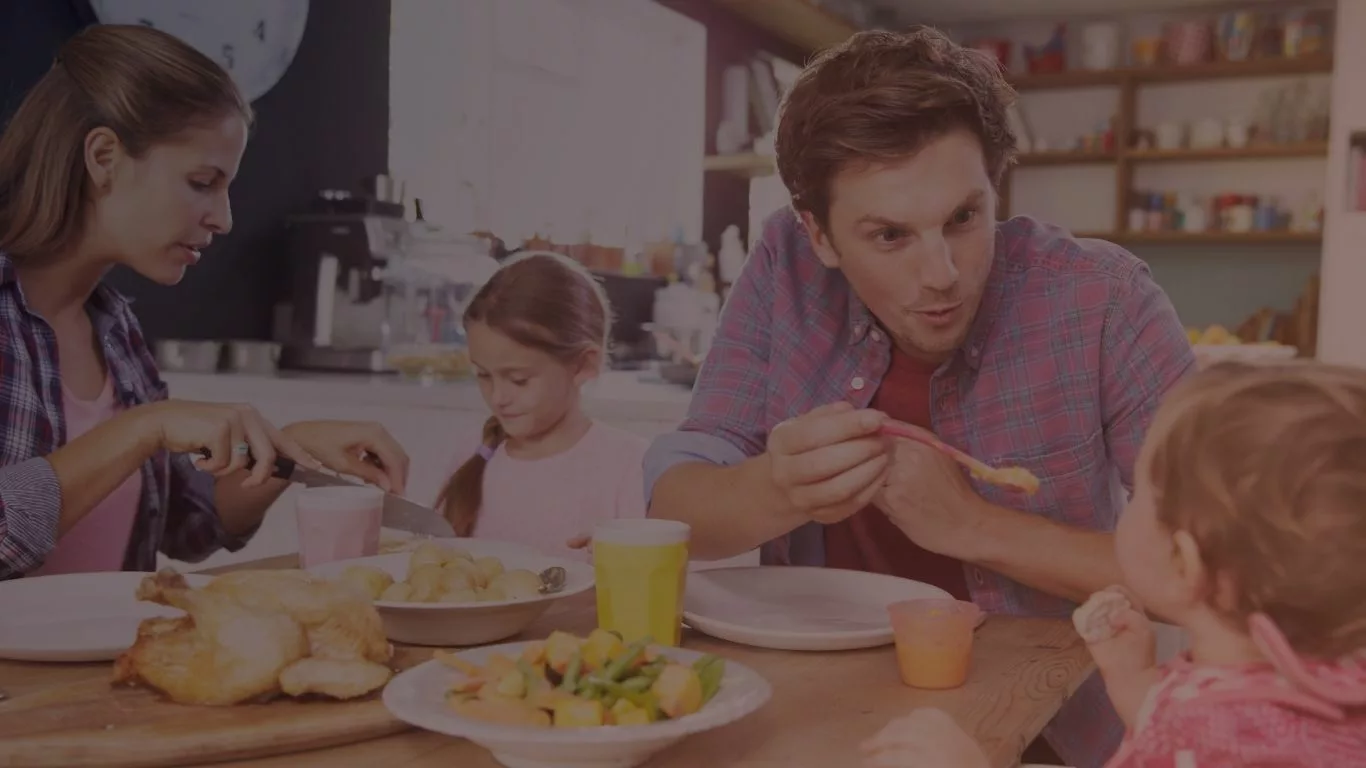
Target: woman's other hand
(233, 434)
(359, 448)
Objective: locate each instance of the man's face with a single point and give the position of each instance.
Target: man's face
(915, 238)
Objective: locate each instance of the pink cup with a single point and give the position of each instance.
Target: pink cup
(934, 641)
(338, 523)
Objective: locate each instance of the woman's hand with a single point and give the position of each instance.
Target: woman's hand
(359, 448)
(232, 433)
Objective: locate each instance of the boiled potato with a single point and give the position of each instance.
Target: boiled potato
(426, 581)
(465, 595)
(398, 592)
(517, 584)
(457, 555)
(491, 594)
(490, 567)
(427, 553)
(476, 576)
(447, 575)
(367, 579)
(456, 581)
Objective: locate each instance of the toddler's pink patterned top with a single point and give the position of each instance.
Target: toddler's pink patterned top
(1202, 716)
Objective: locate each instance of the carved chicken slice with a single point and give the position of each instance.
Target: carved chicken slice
(254, 634)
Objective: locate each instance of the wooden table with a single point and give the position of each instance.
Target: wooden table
(823, 704)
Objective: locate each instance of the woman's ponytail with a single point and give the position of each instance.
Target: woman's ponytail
(463, 494)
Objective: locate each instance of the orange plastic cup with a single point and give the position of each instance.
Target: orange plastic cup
(934, 641)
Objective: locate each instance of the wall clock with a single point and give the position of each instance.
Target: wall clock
(255, 40)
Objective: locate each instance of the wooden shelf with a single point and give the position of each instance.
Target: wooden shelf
(1208, 238)
(1250, 152)
(1214, 70)
(1064, 157)
(797, 21)
(747, 165)
(1073, 78)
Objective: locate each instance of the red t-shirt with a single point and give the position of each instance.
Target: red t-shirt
(868, 541)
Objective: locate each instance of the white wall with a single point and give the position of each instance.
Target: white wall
(562, 117)
(1342, 312)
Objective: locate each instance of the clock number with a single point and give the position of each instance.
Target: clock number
(260, 30)
(227, 55)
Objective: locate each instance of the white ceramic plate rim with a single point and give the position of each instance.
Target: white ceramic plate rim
(579, 578)
(95, 650)
(742, 692)
(707, 624)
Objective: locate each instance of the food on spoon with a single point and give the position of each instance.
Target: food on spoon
(1007, 477)
(570, 682)
(252, 635)
(438, 574)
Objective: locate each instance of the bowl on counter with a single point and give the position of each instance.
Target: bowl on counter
(465, 623)
(252, 356)
(188, 356)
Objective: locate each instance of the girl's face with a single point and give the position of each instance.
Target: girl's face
(529, 391)
(156, 213)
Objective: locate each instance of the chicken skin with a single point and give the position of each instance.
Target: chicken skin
(252, 635)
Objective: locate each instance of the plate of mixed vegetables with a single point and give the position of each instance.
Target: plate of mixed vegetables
(585, 701)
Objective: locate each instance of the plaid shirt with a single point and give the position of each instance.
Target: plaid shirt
(176, 514)
(1071, 350)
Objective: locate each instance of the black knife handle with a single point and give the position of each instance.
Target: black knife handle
(284, 466)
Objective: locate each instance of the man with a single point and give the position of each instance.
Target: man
(890, 288)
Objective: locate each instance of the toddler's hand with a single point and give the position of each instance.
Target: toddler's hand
(1119, 636)
(927, 738)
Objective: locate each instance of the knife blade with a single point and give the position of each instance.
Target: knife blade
(399, 513)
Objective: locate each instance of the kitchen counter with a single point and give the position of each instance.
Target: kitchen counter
(626, 395)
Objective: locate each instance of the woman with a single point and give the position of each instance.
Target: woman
(122, 154)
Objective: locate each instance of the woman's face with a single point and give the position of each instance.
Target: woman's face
(156, 213)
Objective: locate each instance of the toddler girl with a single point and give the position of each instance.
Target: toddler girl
(1247, 527)
(545, 472)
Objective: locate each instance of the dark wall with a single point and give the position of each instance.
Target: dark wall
(324, 125)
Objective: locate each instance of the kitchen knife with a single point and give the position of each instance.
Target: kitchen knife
(399, 513)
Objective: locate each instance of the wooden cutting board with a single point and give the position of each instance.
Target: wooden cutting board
(69, 716)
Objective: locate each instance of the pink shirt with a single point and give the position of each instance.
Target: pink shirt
(1208, 717)
(99, 540)
(542, 503)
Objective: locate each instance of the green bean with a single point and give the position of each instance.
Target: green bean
(572, 672)
(617, 669)
(638, 683)
(710, 670)
(646, 700)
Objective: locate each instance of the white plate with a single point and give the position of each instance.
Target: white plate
(463, 624)
(418, 697)
(75, 616)
(795, 608)
(1247, 353)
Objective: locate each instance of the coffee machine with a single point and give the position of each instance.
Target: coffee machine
(333, 317)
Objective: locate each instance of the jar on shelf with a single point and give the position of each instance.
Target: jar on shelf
(426, 292)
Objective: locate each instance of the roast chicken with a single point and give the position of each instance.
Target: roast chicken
(254, 635)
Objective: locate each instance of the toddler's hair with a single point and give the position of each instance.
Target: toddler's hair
(541, 300)
(1265, 466)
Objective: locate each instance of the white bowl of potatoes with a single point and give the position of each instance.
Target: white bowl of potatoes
(457, 592)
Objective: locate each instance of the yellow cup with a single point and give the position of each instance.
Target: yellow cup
(641, 570)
